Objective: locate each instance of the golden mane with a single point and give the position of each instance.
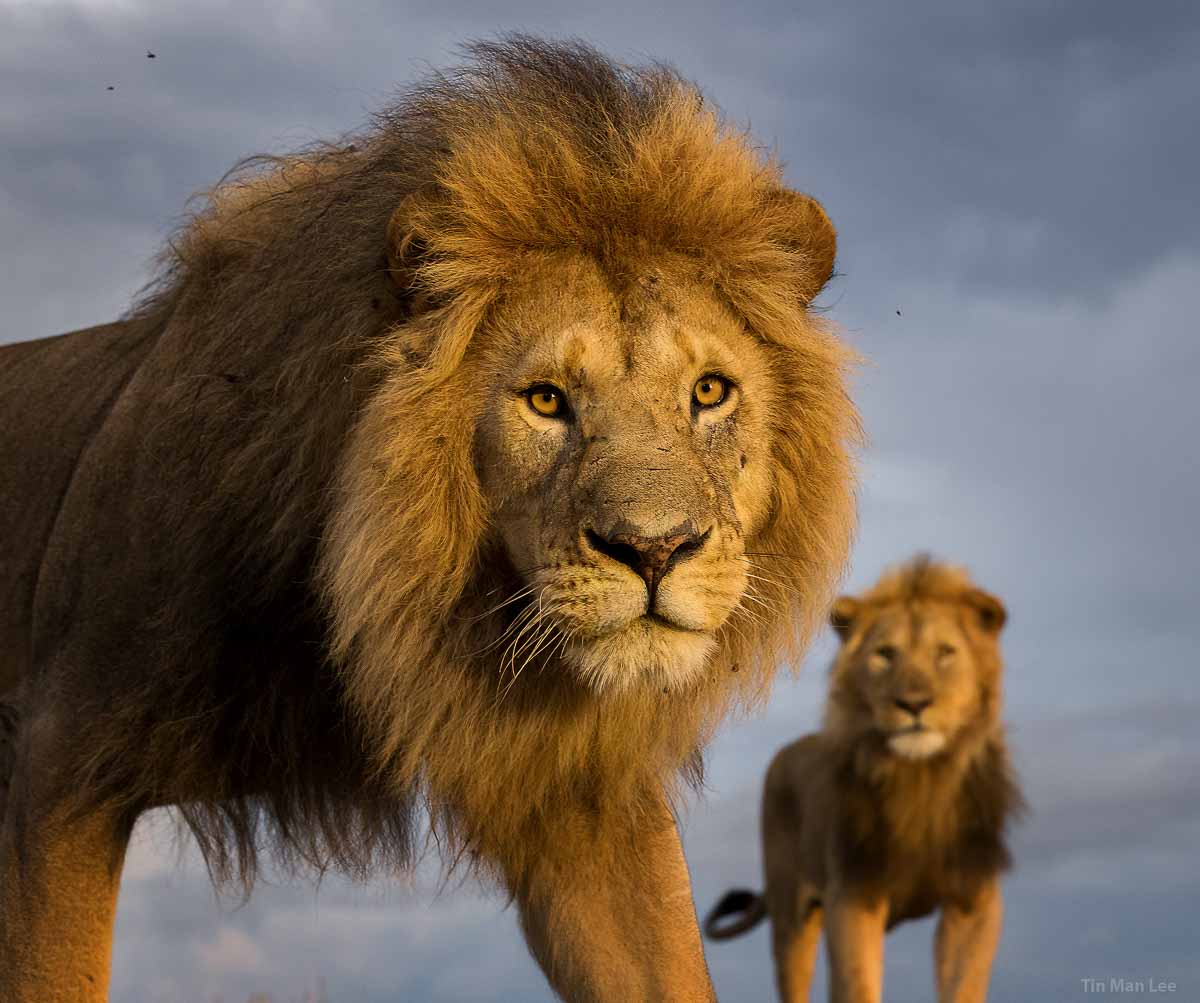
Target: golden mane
(919, 580)
(857, 838)
(369, 270)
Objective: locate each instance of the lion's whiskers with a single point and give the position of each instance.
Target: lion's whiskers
(520, 594)
(534, 644)
(762, 601)
(518, 620)
(532, 623)
(774, 583)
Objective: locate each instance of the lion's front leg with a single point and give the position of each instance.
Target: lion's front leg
(58, 891)
(965, 945)
(854, 930)
(614, 921)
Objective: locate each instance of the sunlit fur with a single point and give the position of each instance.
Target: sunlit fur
(653, 190)
(917, 636)
(402, 277)
(879, 806)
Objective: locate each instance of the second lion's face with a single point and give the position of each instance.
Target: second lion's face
(625, 454)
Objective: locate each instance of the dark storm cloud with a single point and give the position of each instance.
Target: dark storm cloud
(1041, 146)
(1037, 146)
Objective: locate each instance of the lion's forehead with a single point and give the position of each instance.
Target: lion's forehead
(595, 330)
(915, 627)
(595, 355)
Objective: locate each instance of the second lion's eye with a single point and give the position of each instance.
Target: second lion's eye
(709, 390)
(547, 400)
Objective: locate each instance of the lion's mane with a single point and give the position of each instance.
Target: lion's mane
(331, 308)
(947, 817)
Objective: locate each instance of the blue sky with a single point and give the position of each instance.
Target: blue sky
(1017, 180)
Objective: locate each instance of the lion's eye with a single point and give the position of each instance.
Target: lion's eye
(547, 400)
(946, 650)
(881, 658)
(709, 390)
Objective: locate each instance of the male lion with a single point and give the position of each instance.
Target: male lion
(899, 805)
(482, 463)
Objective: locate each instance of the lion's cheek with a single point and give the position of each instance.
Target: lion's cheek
(701, 599)
(599, 608)
(751, 491)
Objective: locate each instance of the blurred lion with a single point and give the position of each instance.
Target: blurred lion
(899, 805)
(480, 463)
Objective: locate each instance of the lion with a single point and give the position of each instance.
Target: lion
(472, 469)
(898, 807)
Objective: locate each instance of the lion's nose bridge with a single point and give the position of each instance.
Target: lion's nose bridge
(914, 684)
(646, 481)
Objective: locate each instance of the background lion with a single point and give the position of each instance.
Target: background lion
(485, 460)
(899, 805)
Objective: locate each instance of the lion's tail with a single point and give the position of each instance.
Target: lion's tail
(753, 909)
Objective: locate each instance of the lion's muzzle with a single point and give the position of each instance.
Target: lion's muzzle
(649, 556)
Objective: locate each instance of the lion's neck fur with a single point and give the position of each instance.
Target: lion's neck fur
(502, 750)
(936, 824)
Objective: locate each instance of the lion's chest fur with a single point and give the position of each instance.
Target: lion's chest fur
(924, 833)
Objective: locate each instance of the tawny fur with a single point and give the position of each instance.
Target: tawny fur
(863, 836)
(267, 587)
(622, 169)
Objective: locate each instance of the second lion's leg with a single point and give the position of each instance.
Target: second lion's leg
(965, 945)
(794, 940)
(854, 930)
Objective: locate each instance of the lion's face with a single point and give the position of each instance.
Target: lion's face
(918, 673)
(624, 455)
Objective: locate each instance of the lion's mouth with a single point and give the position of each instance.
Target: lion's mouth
(916, 742)
(642, 626)
(659, 620)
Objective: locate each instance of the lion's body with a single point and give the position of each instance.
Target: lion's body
(861, 832)
(288, 550)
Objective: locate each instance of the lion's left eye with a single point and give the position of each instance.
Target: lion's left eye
(547, 400)
(710, 390)
(946, 650)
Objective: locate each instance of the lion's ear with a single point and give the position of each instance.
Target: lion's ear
(807, 231)
(990, 610)
(842, 615)
(406, 250)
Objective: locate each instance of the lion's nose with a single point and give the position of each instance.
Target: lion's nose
(650, 556)
(914, 707)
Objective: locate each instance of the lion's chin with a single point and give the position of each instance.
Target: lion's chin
(917, 744)
(644, 653)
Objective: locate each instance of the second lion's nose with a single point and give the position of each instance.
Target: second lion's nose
(914, 706)
(650, 556)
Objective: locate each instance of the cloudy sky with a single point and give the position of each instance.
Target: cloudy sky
(1015, 189)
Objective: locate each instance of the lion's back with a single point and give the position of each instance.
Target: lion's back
(54, 395)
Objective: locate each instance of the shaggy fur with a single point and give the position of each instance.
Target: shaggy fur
(546, 156)
(847, 809)
(529, 152)
(306, 566)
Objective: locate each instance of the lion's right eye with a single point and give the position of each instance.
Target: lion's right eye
(881, 658)
(547, 400)
(709, 391)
